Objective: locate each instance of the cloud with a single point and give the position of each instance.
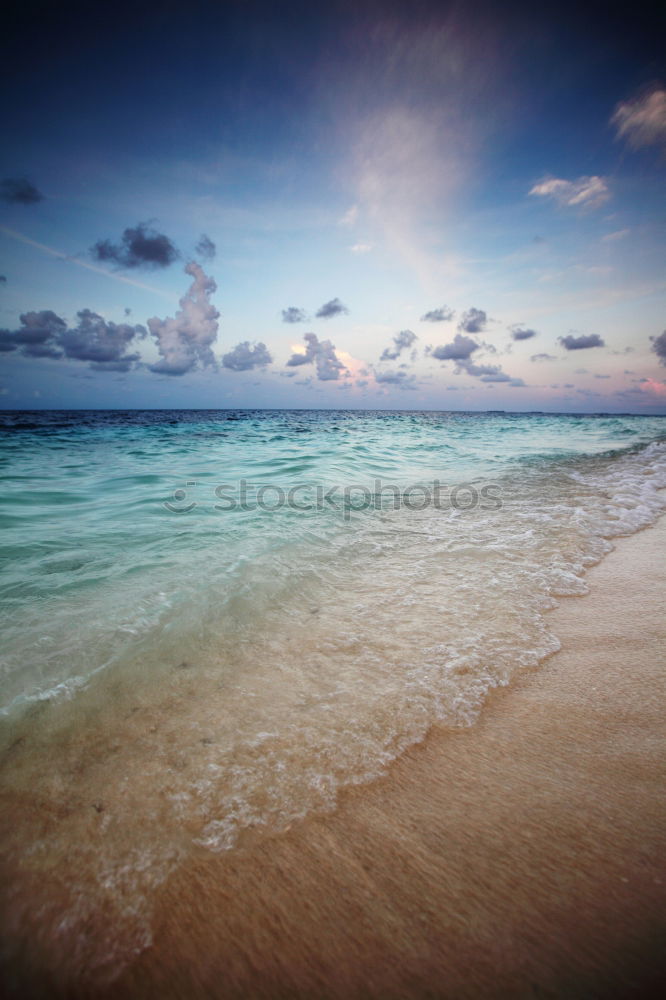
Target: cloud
(602, 376)
(46, 335)
(243, 357)
(19, 191)
(102, 343)
(400, 379)
(330, 309)
(37, 336)
(402, 342)
(473, 321)
(441, 315)
(642, 120)
(294, 315)
(361, 248)
(184, 342)
(302, 358)
(489, 373)
(581, 343)
(60, 255)
(503, 377)
(322, 353)
(619, 234)
(589, 192)
(459, 349)
(659, 347)
(350, 217)
(139, 247)
(478, 370)
(3, 279)
(543, 357)
(522, 333)
(205, 247)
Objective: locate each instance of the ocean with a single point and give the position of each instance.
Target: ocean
(215, 620)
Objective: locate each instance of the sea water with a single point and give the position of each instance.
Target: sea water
(212, 621)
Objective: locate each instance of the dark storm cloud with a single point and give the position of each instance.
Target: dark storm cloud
(102, 343)
(244, 357)
(459, 349)
(301, 359)
(402, 341)
(19, 191)
(140, 246)
(581, 343)
(473, 321)
(322, 354)
(37, 336)
(441, 315)
(45, 335)
(522, 333)
(400, 379)
(659, 347)
(330, 309)
(294, 315)
(205, 248)
(489, 373)
(478, 370)
(41, 351)
(40, 327)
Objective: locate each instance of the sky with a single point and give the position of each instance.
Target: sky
(377, 205)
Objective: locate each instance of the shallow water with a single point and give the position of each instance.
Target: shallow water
(181, 676)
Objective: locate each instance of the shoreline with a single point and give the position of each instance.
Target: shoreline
(519, 857)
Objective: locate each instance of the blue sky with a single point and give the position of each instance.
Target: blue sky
(478, 198)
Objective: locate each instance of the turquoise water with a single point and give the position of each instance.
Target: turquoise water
(94, 562)
(204, 670)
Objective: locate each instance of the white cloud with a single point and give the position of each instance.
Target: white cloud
(589, 192)
(350, 217)
(184, 341)
(322, 354)
(618, 235)
(361, 248)
(642, 120)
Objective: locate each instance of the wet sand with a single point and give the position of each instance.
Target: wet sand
(523, 857)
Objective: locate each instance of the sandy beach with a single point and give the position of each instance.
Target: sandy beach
(333, 501)
(521, 857)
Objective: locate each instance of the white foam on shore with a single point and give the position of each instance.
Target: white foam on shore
(321, 666)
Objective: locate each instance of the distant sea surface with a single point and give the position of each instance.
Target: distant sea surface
(213, 620)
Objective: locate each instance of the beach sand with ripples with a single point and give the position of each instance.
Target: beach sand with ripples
(522, 856)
